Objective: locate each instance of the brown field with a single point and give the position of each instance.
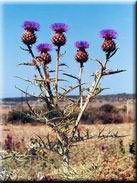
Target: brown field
(28, 131)
(87, 161)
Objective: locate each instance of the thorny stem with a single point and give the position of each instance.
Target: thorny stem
(57, 71)
(90, 96)
(47, 81)
(40, 73)
(80, 87)
(37, 67)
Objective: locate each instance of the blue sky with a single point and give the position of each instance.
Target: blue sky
(85, 22)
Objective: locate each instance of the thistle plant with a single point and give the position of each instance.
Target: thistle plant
(59, 39)
(108, 45)
(29, 36)
(81, 57)
(62, 122)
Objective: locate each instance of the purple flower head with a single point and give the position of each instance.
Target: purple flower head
(59, 27)
(82, 44)
(31, 26)
(103, 147)
(108, 34)
(44, 47)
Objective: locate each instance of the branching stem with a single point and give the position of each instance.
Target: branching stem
(91, 95)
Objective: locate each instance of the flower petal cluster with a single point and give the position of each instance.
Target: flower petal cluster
(31, 26)
(108, 34)
(82, 44)
(59, 27)
(44, 47)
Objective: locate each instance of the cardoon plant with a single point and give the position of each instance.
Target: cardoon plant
(108, 45)
(44, 48)
(81, 57)
(29, 36)
(62, 121)
(59, 39)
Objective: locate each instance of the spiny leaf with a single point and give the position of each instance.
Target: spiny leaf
(112, 72)
(72, 76)
(63, 88)
(26, 92)
(24, 79)
(26, 63)
(55, 71)
(63, 80)
(113, 53)
(53, 80)
(64, 65)
(70, 89)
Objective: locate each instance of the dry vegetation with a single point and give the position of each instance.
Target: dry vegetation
(96, 159)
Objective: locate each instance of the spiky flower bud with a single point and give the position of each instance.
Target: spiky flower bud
(43, 48)
(81, 55)
(29, 36)
(59, 39)
(108, 45)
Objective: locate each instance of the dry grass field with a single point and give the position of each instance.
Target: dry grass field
(88, 160)
(29, 131)
(94, 159)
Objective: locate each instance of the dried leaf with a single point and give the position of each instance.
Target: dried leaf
(55, 71)
(72, 76)
(26, 63)
(27, 80)
(64, 65)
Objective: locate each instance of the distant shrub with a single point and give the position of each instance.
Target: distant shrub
(86, 116)
(107, 108)
(18, 116)
(109, 118)
(106, 118)
(117, 118)
(106, 114)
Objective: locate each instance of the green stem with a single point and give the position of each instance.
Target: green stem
(57, 71)
(80, 88)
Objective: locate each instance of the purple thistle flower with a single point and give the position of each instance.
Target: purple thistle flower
(82, 44)
(31, 26)
(103, 147)
(108, 34)
(44, 47)
(59, 27)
